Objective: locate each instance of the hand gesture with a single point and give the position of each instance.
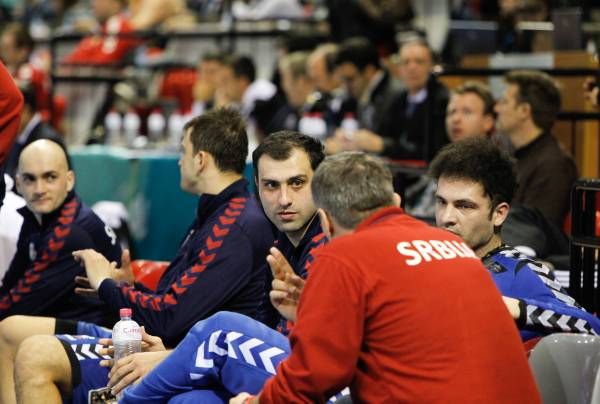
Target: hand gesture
(97, 268)
(286, 287)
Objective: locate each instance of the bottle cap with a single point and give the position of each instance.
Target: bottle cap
(126, 312)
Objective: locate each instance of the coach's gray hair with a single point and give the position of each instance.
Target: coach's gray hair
(350, 186)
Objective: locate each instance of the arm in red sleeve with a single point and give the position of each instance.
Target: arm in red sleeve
(322, 361)
(11, 102)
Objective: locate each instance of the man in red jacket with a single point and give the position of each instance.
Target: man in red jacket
(395, 309)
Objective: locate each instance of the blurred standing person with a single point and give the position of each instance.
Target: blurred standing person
(372, 87)
(526, 113)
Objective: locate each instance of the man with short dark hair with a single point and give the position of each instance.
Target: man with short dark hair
(219, 266)
(526, 112)
(376, 288)
(283, 168)
(475, 184)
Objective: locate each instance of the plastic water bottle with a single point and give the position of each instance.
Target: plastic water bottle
(126, 335)
(349, 125)
(313, 125)
(176, 123)
(131, 126)
(112, 125)
(156, 125)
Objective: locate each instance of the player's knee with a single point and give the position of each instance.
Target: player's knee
(8, 330)
(37, 353)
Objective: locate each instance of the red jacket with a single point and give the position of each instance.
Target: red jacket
(108, 49)
(402, 313)
(11, 102)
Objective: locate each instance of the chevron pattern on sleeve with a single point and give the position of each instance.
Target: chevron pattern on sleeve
(50, 252)
(232, 345)
(207, 254)
(550, 320)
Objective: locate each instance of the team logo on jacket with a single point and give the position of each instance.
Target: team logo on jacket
(32, 252)
(417, 251)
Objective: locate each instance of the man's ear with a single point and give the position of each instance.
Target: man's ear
(500, 214)
(397, 199)
(326, 223)
(18, 183)
(526, 108)
(70, 180)
(200, 161)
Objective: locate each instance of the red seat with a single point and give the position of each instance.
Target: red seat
(148, 273)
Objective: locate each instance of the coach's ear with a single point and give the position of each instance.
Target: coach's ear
(326, 223)
(397, 199)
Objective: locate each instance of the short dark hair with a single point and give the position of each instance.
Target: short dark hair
(419, 42)
(540, 92)
(222, 133)
(280, 145)
(242, 66)
(351, 186)
(359, 52)
(479, 160)
(480, 90)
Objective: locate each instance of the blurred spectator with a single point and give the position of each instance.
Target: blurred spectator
(358, 67)
(592, 92)
(320, 67)
(107, 48)
(169, 14)
(238, 87)
(266, 9)
(526, 113)
(295, 81)
(414, 127)
(31, 128)
(237, 84)
(16, 46)
(470, 111)
(204, 89)
(372, 19)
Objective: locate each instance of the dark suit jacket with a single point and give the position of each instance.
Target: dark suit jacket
(371, 115)
(418, 136)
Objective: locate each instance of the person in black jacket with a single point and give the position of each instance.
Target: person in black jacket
(414, 125)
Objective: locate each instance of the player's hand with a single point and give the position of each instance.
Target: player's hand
(96, 266)
(84, 288)
(239, 399)
(125, 273)
(285, 295)
(279, 264)
(132, 368)
(150, 343)
(513, 307)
